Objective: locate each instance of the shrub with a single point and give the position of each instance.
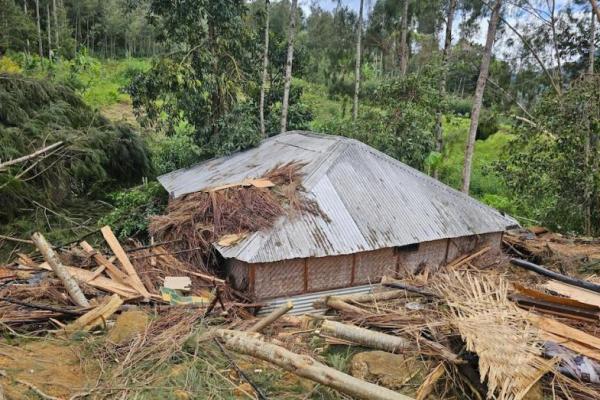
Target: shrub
(460, 106)
(488, 125)
(132, 207)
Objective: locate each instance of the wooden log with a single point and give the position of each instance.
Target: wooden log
(272, 317)
(555, 275)
(339, 305)
(306, 367)
(97, 316)
(35, 154)
(365, 337)
(115, 246)
(364, 297)
(429, 383)
(60, 270)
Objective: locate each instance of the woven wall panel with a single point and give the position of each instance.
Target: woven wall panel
(238, 272)
(279, 278)
(372, 265)
(467, 244)
(329, 272)
(429, 255)
(460, 246)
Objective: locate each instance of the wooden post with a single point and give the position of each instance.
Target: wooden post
(306, 367)
(272, 317)
(60, 270)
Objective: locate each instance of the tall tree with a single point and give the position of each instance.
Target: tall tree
(288, 66)
(48, 29)
(357, 68)
(404, 39)
(595, 8)
(439, 140)
(592, 42)
(265, 72)
(39, 28)
(478, 98)
(56, 42)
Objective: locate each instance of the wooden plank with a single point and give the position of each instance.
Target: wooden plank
(571, 345)
(97, 316)
(463, 261)
(111, 269)
(573, 292)
(100, 282)
(115, 246)
(554, 299)
(559, 329)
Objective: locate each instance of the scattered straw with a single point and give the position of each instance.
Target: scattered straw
(509, 348)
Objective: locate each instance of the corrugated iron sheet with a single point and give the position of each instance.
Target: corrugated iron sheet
(303, 303)
(372, 201)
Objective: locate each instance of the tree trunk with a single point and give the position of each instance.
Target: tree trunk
(263, 86)
(59, 269)
(403, 40)
(596, 9)
(56, 39)
(365, 337)
(478, 98)
(49, 30)
(288, 66)
(39, 28)
(306, 367)
(357, 67)
(439, 137)
(592, 43)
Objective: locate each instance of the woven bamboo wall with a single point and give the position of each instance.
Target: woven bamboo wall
(372, 265)
(279, 278)
(329, 272)
(428, 255)
(290, 277)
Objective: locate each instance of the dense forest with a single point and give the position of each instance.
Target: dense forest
(497, 98)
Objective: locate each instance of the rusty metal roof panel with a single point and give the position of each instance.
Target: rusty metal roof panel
(371, 200)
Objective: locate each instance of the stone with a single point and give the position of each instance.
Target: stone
(128, 325)
(387, 369)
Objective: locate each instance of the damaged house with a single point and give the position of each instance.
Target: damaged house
(377, 216)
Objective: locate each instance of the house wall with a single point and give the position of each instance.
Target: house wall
(296, 276)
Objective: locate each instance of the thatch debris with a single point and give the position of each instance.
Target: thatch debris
(226, 214)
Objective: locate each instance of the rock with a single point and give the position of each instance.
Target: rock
(129, 324)
(387, 369)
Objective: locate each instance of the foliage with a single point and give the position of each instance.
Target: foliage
(553, 169)
(488, 125)
(8, 66)
(460, 106)
(133, 207)
(97, 154)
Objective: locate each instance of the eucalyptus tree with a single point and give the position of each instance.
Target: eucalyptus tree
(288, 66)
(359, 28)
(478, 97)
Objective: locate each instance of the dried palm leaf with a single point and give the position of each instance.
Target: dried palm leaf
(509, 348)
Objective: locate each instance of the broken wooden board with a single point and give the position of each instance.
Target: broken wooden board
(96, 316)
(100, 282)
(574, 292)
(562, 330)
(111, 269)
(231, 239)
(115, 246)
(258, 183)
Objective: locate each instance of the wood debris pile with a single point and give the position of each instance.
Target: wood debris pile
(226, 214)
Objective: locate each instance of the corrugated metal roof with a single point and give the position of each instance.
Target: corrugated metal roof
(372, 201)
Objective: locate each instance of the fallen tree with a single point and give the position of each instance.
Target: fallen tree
(305, 366)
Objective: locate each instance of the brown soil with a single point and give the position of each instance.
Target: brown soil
(129, 324)
(53, 366)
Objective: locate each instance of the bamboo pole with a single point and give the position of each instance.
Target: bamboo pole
(365, 337)
(60, 270)
(272, 317)
(306, 367)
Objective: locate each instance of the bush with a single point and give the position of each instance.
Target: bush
(459, 106)
(488, 125)
(129, 218)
